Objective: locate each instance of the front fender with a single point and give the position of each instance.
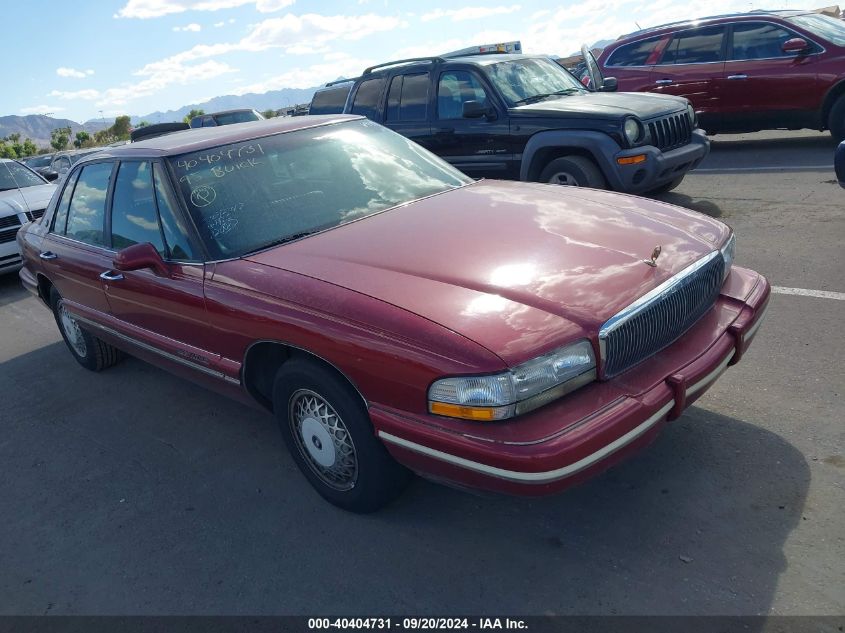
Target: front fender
(601, 147)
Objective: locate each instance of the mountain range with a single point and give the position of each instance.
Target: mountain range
(38, 126)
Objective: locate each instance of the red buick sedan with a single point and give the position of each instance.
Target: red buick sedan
(394, 314)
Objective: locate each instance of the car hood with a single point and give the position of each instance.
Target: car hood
(604, 104)
(519, 268)
(22, 200)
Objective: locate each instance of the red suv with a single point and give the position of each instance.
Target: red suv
(743, 72)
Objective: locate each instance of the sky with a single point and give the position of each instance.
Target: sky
(89, 59)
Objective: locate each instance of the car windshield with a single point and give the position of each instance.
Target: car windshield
(242, 116)
(14, 175)
(38, 161)
(531, 79)
(825, 27)
(247, 196)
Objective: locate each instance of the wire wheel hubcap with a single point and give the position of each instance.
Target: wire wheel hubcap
(72, 331)
(323, 439)
(563, 178)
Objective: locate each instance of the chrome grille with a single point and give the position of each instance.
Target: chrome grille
(36, 214)
(671, 131)
(9, 226)
(9, 220)
(659, 318)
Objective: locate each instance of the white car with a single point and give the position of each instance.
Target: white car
(23, 197)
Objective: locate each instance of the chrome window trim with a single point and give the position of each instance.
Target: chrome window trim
(155, 350)
(647, 299)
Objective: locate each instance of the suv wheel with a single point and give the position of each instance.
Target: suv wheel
(331, 439)
(573, 171)
(836, 120)
(87, 349)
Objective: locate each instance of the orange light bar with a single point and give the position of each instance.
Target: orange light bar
(465, 413)
(631, 160)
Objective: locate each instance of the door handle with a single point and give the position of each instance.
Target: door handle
(737, 77)
(48, 255)
(108, 276)
(663, 82)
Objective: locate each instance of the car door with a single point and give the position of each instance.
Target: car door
(762, 84)
(163, 309)
(692, 66)
(407, 108)
(476, 146)
(74, 252)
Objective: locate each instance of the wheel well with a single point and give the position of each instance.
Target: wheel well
(44, 287)
(263, 360)
(832, 96)
(546, 155)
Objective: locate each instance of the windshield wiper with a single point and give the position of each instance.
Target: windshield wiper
(546, 95)
(279, 242)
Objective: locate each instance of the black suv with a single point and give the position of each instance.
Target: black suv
(523, 117)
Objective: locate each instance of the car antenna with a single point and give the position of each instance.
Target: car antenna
(638, 25)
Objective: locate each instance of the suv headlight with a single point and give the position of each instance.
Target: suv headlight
(516, 391)
(728, 250)
(633, 131)
(693, 117)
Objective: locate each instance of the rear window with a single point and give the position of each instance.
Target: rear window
(634, 54)
(331, 100)
(366, 99)
(241, 116)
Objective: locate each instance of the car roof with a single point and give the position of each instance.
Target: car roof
(197, 139)
(711, 19)
(481, 59)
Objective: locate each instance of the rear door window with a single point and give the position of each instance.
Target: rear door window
(330, 101)
(407, 99)
(87, 210)
(60, 219)
(696, 46)
(634, 54)
(367, 97)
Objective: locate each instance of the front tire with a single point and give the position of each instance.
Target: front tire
(574, 171)
(328, 432)
(836, 120)
(87, 349)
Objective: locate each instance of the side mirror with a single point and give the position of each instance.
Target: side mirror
(610, 84)
(50, 175)
(476, 110)
(140, 256)
(795, 45)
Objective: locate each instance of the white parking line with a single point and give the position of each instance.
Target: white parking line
(803, 292)
(730, 170)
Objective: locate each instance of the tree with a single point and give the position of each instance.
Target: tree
(192, 114)
(29, 148)
(81, 138)
(121, 128)
(269, 114)
(59, 138)
(142, 124)
(104, 137)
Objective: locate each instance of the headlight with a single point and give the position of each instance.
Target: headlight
(692, 116)
(633, 131)
(517, 391)
(728, 249)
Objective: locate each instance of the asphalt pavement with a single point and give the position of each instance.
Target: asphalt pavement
(135, 492)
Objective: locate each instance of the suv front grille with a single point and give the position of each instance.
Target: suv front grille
(670, 132)
(9, 220)
(36, 214)
(659, 318)
(8, 228)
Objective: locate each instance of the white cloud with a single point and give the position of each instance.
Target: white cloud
(145, 9)
(335, 66)
(41, 109)
(468, 13)
(86, 95)
(72, 72)
(217, 25)
(193, 26)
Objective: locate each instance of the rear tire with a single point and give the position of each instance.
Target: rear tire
(836, 120)
(667, 187)
(574, 171)
(87, 349)
(329, 434)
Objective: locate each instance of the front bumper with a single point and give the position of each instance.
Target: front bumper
(660, 167)
(585, 432)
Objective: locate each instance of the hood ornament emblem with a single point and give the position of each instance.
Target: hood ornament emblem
(654, 255)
